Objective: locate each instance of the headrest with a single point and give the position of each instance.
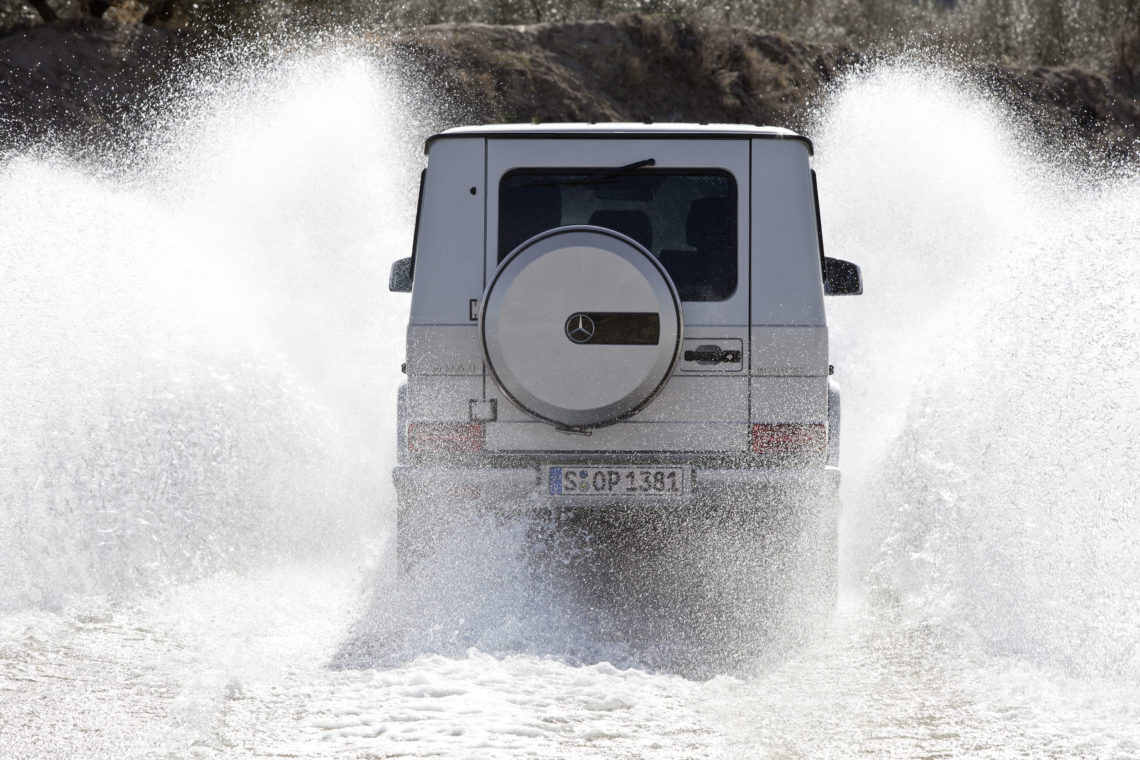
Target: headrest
(711, 222)
(632, 223)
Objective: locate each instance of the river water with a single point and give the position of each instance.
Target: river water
(200, 363)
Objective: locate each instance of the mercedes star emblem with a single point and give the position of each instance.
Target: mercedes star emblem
(579, 328)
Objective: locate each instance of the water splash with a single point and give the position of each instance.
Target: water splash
(991, 403)
(195, 352)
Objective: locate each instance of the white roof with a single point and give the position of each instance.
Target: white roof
(621, 129)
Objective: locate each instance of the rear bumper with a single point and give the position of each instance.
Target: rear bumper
(524, 488)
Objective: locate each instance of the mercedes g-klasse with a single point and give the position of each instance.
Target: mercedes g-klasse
(621, 317)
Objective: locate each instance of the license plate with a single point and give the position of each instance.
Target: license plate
(576, 480)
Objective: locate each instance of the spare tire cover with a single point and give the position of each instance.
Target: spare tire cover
(581, 326)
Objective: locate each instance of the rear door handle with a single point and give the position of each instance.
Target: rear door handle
(705, 355)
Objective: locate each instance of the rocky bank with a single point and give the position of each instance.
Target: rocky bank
(94, 80)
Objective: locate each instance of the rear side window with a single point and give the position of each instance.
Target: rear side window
(687, 219)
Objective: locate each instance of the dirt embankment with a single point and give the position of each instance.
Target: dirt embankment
(79, 81)
(89, 80)
(653, 69)
(635, 68)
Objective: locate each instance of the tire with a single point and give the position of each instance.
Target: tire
(420, 532)
(811, 566)
(433, 533)
(410, 538)
(580, 327)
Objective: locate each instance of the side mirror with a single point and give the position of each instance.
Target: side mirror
(400, 279)
(841, 278)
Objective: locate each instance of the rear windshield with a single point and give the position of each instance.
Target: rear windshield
(687, 219)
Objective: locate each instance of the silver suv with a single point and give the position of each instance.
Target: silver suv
(618, 317)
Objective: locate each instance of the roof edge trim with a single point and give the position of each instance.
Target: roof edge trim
(745, 132)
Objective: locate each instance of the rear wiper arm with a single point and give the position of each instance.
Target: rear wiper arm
(611, 173)
(600, 177)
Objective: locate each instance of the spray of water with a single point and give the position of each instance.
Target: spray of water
(197, 366)
(991, 401)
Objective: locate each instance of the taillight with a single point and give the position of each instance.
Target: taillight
(445, 437)
(789, 438)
